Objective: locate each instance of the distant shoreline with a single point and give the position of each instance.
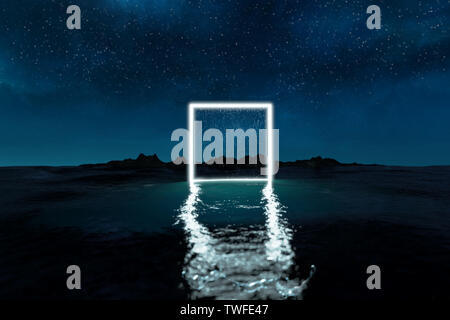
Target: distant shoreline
(152, 161)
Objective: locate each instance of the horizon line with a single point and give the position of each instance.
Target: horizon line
(168, 162)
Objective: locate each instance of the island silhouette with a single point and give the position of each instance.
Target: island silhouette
(152, 161)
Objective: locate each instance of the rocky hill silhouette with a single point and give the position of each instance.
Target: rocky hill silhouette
(152, 161)
(141, 162)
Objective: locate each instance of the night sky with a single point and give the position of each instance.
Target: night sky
(121, 84)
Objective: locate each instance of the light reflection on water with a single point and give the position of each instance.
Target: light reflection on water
(252, 262)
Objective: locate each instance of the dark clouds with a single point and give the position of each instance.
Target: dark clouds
(315, 60)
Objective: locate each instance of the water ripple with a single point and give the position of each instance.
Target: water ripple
(251, 262)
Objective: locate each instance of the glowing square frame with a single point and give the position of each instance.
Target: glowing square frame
(230, 106)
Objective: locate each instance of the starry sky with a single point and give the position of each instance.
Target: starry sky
(121, 84)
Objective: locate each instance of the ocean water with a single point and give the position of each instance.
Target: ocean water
(153, 207)
(310, 234)
(237, 234)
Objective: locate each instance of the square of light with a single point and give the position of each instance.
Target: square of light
(267, 106)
